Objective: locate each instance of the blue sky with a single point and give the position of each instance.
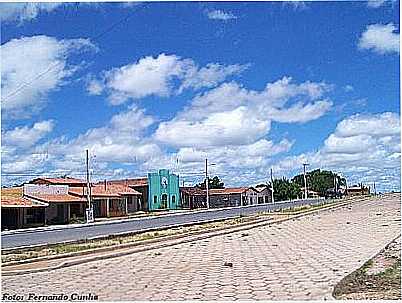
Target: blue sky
(249, 85)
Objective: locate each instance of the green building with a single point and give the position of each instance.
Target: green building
(163, 190)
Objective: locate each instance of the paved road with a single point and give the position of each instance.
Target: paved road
(108, 228)
(300, 259)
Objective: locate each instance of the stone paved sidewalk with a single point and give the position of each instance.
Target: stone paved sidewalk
(300, 259)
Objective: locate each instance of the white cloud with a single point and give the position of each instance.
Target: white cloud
(24, 11)
(234, 127)
(379, 3)
(380, 38)
(120, 141)
(210, 75)
(233, 115)
(94, 87)
(365, 148)
(159, 77)
(300, 112)
(348, 88)
(27, 136)
(375, 3)
(220, 15)
(26, 83)
(385, 124)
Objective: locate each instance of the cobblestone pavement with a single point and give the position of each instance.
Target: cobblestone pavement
(299, 259)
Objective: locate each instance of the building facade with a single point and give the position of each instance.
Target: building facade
(228, 197)
(163, 190)
(264, 194)
(193, 197)
(18, 211)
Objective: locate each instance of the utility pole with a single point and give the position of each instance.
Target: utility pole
(272, 187)
(305, 180)
(336, 192)
(375, 190)
(207, 181)
(89, 210)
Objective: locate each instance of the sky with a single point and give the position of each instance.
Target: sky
(250, 86)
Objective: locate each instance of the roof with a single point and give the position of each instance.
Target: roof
(12, 197)
(357, 188)
(64, 181)
(129, 182)
(59, 198)
(261, 188)
(228, 191)
(99, 190)
(195, 191)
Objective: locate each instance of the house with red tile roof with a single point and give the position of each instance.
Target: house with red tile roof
(139, 185)
(18, 211)
(192, 197)
(238, 196)
(110, 199)
(72, 182)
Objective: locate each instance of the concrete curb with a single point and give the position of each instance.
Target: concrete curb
(372, 257)
(163, 242)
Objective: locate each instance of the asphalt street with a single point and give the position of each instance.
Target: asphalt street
(49, 236)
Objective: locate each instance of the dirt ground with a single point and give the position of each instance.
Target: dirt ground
(377, 279)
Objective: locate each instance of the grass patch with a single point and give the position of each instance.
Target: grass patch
(381, 286)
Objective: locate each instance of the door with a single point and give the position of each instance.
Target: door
(164, 202)
(61, 218)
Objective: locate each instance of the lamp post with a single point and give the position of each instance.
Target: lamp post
(305, 180)
(207, 180)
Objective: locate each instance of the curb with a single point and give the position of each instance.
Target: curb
(372, 257)
(162, 242)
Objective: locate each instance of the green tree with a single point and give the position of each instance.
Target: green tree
(213, 183)
(320, 180)
(284, 189)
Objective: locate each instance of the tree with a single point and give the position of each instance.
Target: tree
(285, 189)
(320, 181)
(213, 183)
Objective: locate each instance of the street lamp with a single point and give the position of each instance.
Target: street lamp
(305, 180)
(207, 180)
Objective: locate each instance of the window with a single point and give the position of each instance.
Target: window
(155, 199)
(173, 199)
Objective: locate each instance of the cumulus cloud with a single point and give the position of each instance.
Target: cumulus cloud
(219, 129)
(27, 136)
(380, 38)
(233, 115)
(24, 11)
(121, 140)
(365, 148)
(158, 76)
(220, 15)
(26, 83)
(94, 87)
(349, 88)
(378, 3)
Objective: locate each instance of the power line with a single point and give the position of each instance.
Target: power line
(51, 67)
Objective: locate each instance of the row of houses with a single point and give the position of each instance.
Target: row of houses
(45, 201)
